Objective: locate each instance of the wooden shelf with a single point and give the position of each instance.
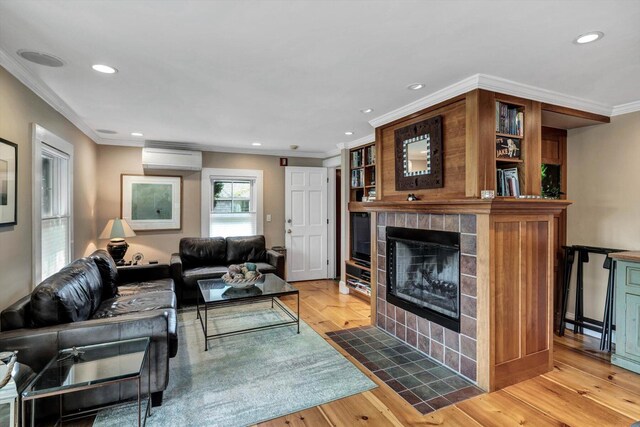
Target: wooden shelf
(510, 160)
(508, 135)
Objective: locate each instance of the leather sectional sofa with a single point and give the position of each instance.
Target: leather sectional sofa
(209, 257)
(90, 301)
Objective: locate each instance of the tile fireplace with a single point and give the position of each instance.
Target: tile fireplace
(423, 273)
(428, 300)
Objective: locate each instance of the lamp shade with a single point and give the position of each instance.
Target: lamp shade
(117, 229)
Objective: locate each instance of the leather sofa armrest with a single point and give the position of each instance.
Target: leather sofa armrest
(142, 273)
(37, 346)
(176, 275)
(276, 259)
(16, 316)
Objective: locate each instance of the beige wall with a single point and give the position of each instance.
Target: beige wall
(114, 161)
(603, 177)
(19, 109)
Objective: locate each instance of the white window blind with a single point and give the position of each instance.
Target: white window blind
(55, 211)
(233, 207)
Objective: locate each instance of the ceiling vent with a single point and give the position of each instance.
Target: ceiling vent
(165, 159)
(41, 58)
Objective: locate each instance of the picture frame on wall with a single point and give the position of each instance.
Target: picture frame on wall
(8, 183)
(151, 203)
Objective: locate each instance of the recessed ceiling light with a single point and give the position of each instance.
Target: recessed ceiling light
(101, 68)
(256, 144)
(367, 110)
(137, 134)
(41, 58)
(107, 131)
(415, 86)
(589, 37)
(348, 133)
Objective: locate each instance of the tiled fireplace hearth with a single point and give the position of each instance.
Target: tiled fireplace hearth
(457, 350)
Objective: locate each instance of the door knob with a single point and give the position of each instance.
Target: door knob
(289, 221)
(289, 231)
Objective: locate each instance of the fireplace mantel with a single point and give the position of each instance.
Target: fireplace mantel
(464, 206)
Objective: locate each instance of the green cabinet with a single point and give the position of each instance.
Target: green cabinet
(627, 352)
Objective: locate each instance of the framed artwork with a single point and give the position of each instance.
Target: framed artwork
(418, 153)
(8, 183)
(151, 202)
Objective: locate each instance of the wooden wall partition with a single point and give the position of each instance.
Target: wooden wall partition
(453, 114)
(520, 297)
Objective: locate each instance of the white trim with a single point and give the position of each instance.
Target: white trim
(534, 93)
(205, 194)
(463, 86)
(629, 107)
(43, 91)
(332, 162)
(497, 84)
(368, 139)
(41, 135)
(331, 219)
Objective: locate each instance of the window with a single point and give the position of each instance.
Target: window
(233, 202)
(52, 204)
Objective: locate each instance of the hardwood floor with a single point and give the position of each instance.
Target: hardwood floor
(584, 389)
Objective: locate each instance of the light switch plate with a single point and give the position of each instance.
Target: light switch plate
(268, 217)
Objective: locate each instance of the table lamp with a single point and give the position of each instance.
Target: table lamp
(116, 230)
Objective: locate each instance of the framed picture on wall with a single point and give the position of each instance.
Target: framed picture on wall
(8, 183)
(152, 202)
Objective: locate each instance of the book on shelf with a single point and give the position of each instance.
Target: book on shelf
(511, 181)
(357, 178)
(356, 159)
(371, 155)
(509, 119)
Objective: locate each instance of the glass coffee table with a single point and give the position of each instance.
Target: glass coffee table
(88, 367)
(215, 293)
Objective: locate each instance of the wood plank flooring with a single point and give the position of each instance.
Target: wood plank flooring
(584, 389)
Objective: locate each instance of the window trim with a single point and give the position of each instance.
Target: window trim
(206, 202)
(41, 136)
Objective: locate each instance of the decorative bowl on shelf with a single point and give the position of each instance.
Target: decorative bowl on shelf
(242, 276)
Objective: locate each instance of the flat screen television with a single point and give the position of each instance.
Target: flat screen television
(361, 238)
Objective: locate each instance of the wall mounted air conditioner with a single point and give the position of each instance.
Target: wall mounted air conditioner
(165, 159)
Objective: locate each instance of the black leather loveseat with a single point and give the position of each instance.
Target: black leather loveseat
(90, 301)
(209, 257)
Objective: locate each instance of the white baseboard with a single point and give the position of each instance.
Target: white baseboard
(343, 288)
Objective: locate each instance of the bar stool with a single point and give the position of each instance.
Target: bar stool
(580, 322)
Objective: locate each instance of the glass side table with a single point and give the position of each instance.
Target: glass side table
(8, 398)
(88, 367)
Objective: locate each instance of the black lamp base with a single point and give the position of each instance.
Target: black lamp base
(117, 248)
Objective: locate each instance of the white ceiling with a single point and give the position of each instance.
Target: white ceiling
(228, 73)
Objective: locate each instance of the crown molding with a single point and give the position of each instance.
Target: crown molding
(31, 81)
(495, 84)
(463, 86)
(368, 139)
(629, 107)
(223, 149)
(534, 93)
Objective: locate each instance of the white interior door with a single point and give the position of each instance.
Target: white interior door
(306, 223)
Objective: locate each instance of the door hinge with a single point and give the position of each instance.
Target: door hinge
(327, 179)
(327, 262)
(327, 220)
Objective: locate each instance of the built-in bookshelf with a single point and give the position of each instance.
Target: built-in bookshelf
(363, 173)
(509, 148)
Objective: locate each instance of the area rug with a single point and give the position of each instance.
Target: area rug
(248, 378)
